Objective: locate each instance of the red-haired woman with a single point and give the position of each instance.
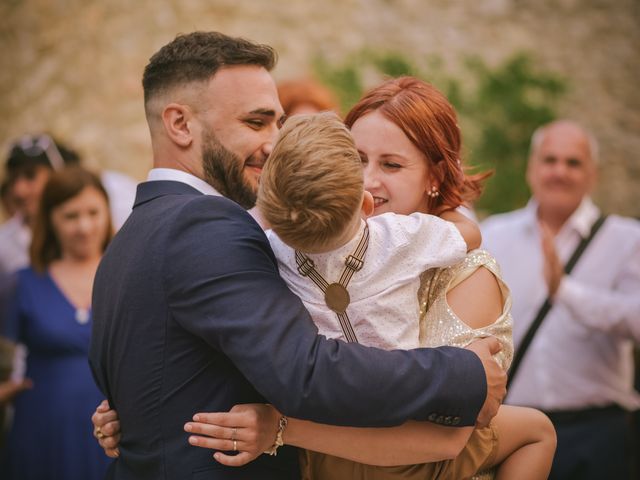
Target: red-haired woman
(305, 95)
(51, 435)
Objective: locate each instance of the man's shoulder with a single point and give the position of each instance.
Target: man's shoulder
(221, 204)
(507, 220)
(10, 228)
(185, 224)
(630, 223)
(623, 227)
(186, 204)
(15, 239)
(210, 228)
(216, 214)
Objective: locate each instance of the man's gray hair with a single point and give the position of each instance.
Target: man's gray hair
(539, 134)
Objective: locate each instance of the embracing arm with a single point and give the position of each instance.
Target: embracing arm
(232, 297)
(469, 229)
(253, 426)
(477, 300)
(410, 443)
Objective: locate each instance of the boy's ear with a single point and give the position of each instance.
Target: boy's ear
(367, 204)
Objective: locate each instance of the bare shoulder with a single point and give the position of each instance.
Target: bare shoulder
(477, 300)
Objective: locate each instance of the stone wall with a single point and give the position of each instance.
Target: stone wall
(73, 67)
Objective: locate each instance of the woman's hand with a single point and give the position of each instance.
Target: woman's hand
(106, 428)
(11, 388)
(249, 429)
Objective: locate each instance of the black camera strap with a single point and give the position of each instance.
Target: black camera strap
(546, 306)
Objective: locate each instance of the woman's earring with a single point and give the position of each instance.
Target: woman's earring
(433, 193)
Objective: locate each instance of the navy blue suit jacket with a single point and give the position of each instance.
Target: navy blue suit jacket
(191, 315)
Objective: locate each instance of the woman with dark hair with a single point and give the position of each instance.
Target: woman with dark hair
(51, 435)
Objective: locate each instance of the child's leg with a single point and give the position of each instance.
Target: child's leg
(526, 443)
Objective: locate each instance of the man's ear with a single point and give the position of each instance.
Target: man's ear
(367, 204)
(178, 125)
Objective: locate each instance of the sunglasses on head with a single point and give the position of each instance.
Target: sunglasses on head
(36, 145)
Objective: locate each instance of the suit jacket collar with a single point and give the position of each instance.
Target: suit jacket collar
(148, 191)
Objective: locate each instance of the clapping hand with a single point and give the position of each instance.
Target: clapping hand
(552, 267)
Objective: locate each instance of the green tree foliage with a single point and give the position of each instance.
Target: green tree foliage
(499, 107)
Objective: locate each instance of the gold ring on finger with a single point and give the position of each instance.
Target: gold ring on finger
(235, 446)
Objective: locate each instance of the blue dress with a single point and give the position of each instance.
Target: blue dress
(51, 437)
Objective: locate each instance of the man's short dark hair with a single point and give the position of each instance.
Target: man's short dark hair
(197, 56)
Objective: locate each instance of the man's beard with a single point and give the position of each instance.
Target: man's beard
(223, 170)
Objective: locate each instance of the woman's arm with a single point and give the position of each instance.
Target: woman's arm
(482, 302)
(254, 426)
(410, 443)
(407, 444)
(10, 388)
(469, 229)
(477, 300)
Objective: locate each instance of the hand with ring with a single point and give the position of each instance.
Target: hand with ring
(106, 429)
(248, 429)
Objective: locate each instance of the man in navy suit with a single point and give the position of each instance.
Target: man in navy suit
(190, 313)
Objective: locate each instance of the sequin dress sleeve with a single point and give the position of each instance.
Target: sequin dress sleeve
(439, 325)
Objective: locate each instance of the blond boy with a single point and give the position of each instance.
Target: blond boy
(312, 195)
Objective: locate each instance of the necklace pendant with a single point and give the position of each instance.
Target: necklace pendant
(337, 298)
(82, 315)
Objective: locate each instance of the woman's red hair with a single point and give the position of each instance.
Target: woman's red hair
(294, 93)
(428, 119)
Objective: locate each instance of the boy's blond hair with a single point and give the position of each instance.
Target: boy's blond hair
(311, 186)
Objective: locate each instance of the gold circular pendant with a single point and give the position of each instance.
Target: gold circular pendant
(337, 298)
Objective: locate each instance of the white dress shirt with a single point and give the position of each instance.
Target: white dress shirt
(121, 189)
(581, 356)
(15, 238)
(171, 174)
(384, 309)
